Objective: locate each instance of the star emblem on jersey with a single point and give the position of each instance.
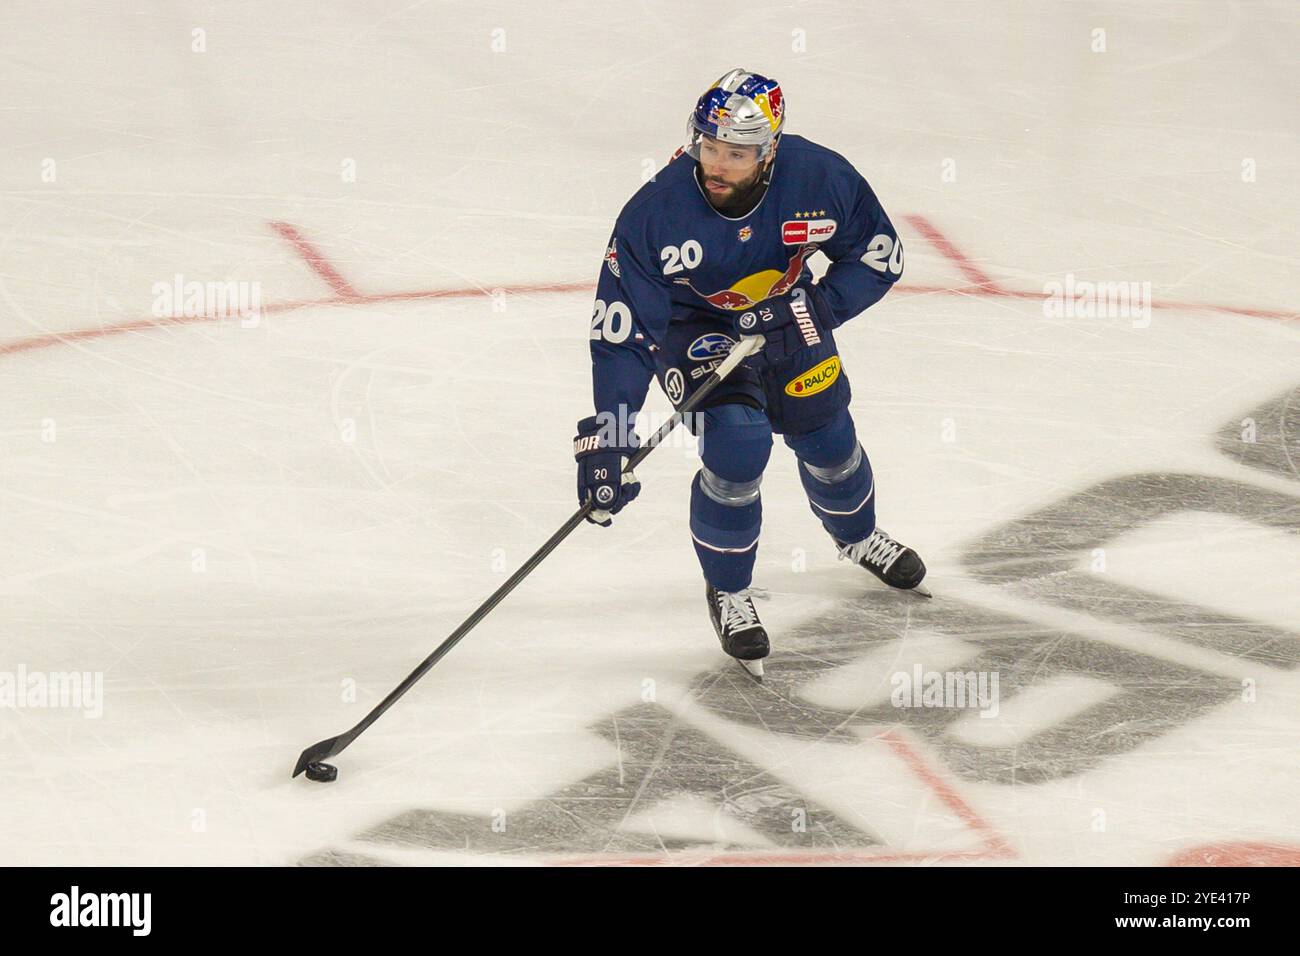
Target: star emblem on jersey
(611, 257)
(744, 234)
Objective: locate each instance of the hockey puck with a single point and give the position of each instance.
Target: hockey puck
(322, 772)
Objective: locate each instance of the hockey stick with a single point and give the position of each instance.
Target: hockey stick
(334, 745)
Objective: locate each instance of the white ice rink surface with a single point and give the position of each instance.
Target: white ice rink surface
(253, 533)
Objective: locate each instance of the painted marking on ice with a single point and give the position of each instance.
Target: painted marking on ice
(983, 285)
(316, 259)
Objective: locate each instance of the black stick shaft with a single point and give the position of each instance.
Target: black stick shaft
(328, 748)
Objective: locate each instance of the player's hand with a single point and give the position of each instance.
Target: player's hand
(600, 469)
(787, 323)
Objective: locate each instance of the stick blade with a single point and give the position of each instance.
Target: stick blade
(317, 752)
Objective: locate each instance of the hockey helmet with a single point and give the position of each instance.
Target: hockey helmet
(741, 108)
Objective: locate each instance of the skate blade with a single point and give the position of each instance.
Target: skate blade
(755, 668)
(922, 590)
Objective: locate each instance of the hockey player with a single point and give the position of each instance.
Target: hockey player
(716, 247)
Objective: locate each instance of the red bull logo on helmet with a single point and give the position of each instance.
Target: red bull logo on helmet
(776, 100)
(772, 104)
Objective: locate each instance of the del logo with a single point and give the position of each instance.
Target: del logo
(816, 379)
(796, 231)
(710, 346)
(611, 258)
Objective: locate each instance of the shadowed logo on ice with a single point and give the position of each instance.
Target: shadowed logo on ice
(1073, 299)
(75, 690)
(191, 299)
(976, 690)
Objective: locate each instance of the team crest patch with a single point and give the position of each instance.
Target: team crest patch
(744, 234)
(795, 232)
(611, 257)
(816, 379)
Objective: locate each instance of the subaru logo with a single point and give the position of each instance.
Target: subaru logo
(710, 346)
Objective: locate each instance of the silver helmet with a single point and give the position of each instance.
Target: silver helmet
(741, 108)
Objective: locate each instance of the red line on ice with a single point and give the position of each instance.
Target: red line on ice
(994, 848)
(963, 262)
(981, 285)
(48, 339)
(994, 845)
(1239, 854)
(316, 259)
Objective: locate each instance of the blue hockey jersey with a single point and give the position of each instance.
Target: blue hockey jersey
(672, 253)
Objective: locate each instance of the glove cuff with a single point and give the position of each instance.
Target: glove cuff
(601, 433)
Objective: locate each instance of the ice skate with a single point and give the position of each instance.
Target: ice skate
(738, 628)
(891, 561)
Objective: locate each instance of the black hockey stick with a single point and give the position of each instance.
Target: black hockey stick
(334, 745)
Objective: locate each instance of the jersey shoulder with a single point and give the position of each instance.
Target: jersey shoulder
(660, 193)
(815, 162)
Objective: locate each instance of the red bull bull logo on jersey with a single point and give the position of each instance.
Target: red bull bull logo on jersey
(756, 287)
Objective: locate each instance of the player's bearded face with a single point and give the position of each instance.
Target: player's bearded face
(728, 172)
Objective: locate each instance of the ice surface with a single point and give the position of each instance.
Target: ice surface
(252, 532)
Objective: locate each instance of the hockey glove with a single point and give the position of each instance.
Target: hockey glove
(787, 323)
(600, 466)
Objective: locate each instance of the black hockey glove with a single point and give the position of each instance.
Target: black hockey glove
(787, 323)
(600, 465)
